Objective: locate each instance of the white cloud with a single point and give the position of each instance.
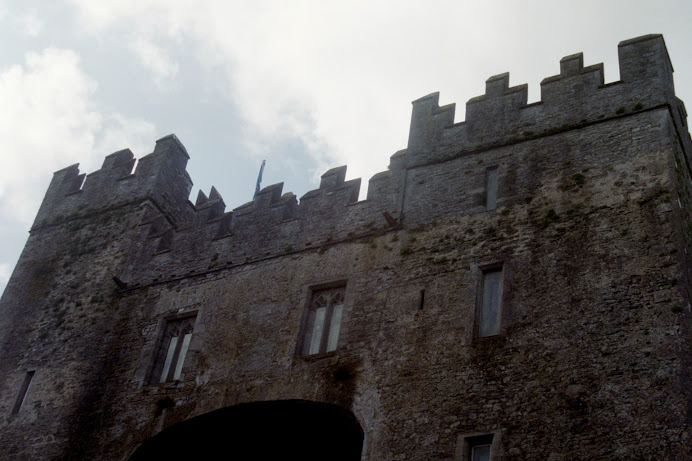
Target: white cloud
(340, 75)
(120, 132)
(156, 60)
(52, 123)
(30, 23)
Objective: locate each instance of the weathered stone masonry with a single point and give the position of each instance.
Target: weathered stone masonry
(591, 231)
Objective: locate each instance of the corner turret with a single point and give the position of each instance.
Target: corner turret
(160, 176)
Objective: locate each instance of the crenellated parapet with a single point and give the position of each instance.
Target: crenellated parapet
(274, 223)
(159, 176)
(428, 120)
(177, 234)
(334, 193)
(575, 97)
(209, 208)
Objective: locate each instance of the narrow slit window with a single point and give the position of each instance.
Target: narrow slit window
(490, 312)
(22, 392)
(491, 188)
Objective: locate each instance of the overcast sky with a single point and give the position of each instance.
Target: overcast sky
(306, 85)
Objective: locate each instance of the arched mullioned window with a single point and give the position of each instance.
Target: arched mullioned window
(324, 321)
(172, 350)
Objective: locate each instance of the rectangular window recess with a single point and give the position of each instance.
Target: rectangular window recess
(325, 314)
(478, 448)
(172, 348)
(491, 188)
(490, 311)
(421, 300)
(23, 391)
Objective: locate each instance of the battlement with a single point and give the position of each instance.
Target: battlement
(276, 222)
(160, 175)
(575, 97)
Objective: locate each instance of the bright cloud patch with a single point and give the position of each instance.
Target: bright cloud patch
(155, 60)
(52, 125)
(49, 125)
(328, 74)
(339, 76)
(30, 23)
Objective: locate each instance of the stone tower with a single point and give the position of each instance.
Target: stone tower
(515, 286)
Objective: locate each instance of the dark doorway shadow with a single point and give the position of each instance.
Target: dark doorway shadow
(284, 429)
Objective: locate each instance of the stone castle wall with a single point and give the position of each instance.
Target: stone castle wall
(591, 231)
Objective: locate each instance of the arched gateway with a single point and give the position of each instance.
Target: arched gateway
(260, 430)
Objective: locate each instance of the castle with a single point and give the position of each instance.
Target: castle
(515, 286)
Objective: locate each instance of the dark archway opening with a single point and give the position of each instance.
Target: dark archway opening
(261, 430)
